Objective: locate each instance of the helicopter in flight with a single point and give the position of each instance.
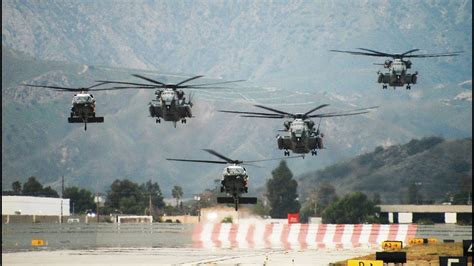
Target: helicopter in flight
(83, 109)
(299, 135)
(235, 179)
(397, 75)
(170, 103)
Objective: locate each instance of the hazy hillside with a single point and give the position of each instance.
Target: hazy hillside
(280, 48)
(438, 166)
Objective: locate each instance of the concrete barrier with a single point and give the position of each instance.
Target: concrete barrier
(299, 236)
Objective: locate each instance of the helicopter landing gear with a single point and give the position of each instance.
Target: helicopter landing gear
(314, 152)
(286, 153)
(158, 120)
(222, 189)
(384, 87)
(183, 121)
(408, 87)
(71, 115)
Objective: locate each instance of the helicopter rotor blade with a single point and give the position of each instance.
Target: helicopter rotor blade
(273, 159)
(434, 55)
(196, 161)
(350, 111)
(95, 85)
(213, 152)
(410, 51)
(359, 53)
(249, 113)
(259, 116)
(274, 110)
(375, 52)
(127, 83)
(189, 79)
(54, 87)
(149, 79)
(217, 83)
(314, 109)
(334, 115)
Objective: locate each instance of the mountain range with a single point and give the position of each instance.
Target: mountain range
(280, 48)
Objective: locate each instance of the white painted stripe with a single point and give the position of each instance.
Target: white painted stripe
(206, 235)
(275, 237)
(311, 236)
(383, 233)
(293, 236)
(365, 234)
(402, 233)
(347, 235)
(258, 235)
(330, 231)
(224, 235)
(242, 235)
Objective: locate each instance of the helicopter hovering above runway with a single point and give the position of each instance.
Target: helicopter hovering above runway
(83, 109)
(299, 136)
(234, 180)
(170, 103)
(397, 75)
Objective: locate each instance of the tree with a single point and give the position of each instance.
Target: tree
(354, 208)
(282, 192)
(49, 192)
(32, 187)
(16, 187)
(414, 195)
(126, 197)
(80, 199)
(177, 193)
(319, 200)
(153, 190)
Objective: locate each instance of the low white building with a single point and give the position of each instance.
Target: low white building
(28, 205)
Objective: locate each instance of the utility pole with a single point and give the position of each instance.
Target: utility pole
(97, 205)
(149, 204)
(62, 195)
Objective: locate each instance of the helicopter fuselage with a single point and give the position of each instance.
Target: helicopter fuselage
(170, 105)
(299, 137)
(83, 110)
(397, 75)
(234, 180)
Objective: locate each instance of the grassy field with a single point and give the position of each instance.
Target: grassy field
(423, 255)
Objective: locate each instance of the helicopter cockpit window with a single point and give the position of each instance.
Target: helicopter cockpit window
(234, 171)
(81, 99)
(397, 68)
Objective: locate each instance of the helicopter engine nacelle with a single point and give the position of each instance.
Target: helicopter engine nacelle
(408, 64)
(387, 63)
(310, 124)
(158, 94)
(287, 124)
(180, 94)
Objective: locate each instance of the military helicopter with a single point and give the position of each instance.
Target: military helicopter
(83, 104)
(397, 75)
(170, 103)
(299, 136)
(234, 180)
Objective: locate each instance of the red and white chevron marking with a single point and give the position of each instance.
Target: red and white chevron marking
(299, 236)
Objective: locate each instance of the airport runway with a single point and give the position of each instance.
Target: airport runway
(179, 256)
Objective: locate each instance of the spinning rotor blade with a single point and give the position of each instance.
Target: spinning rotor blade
(217, 83)
(148, 79)
(376, 52)
(360, 53)
(314, 109)
(51, 87)
(274, 110)
(349, 111)
(273, 159)
(189, 79)
(127, 83)
(411, 51)
(334, 115)
(248, 113)
(260, 116)
(434, 55)
(228, 160)
(196, 161)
